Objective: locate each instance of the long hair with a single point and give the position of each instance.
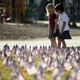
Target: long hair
(48, 6)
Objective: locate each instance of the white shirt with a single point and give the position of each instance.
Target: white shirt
(63, 18)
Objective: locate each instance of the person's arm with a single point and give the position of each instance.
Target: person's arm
(56, 20)
(63, 26)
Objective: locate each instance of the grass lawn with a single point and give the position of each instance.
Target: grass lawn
(48, 74)
(5, 73)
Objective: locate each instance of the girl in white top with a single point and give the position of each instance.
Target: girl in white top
(63, 26)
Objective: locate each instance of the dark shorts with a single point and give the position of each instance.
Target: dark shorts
(52, 34)
(65, 35)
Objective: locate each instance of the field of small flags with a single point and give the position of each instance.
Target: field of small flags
(39, 63)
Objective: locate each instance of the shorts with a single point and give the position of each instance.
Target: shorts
(64, 35)
(52, 34)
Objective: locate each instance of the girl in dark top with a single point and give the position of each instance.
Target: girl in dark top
(52, 17)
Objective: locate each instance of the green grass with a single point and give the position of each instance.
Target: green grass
(48, 75)
(37, 59)
(25, 75)
(66, 75)
(5, 73)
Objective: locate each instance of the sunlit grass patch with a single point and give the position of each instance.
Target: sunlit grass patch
(48, 75)
(5, 73)
(25, 75)
(66, 75)
(37, 59)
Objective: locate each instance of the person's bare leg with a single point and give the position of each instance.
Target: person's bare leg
(64, 43)
(59, 43)
(53, 42)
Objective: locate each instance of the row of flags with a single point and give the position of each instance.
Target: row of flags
(37, 60)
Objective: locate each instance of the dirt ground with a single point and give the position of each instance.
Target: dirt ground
(28, 31)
